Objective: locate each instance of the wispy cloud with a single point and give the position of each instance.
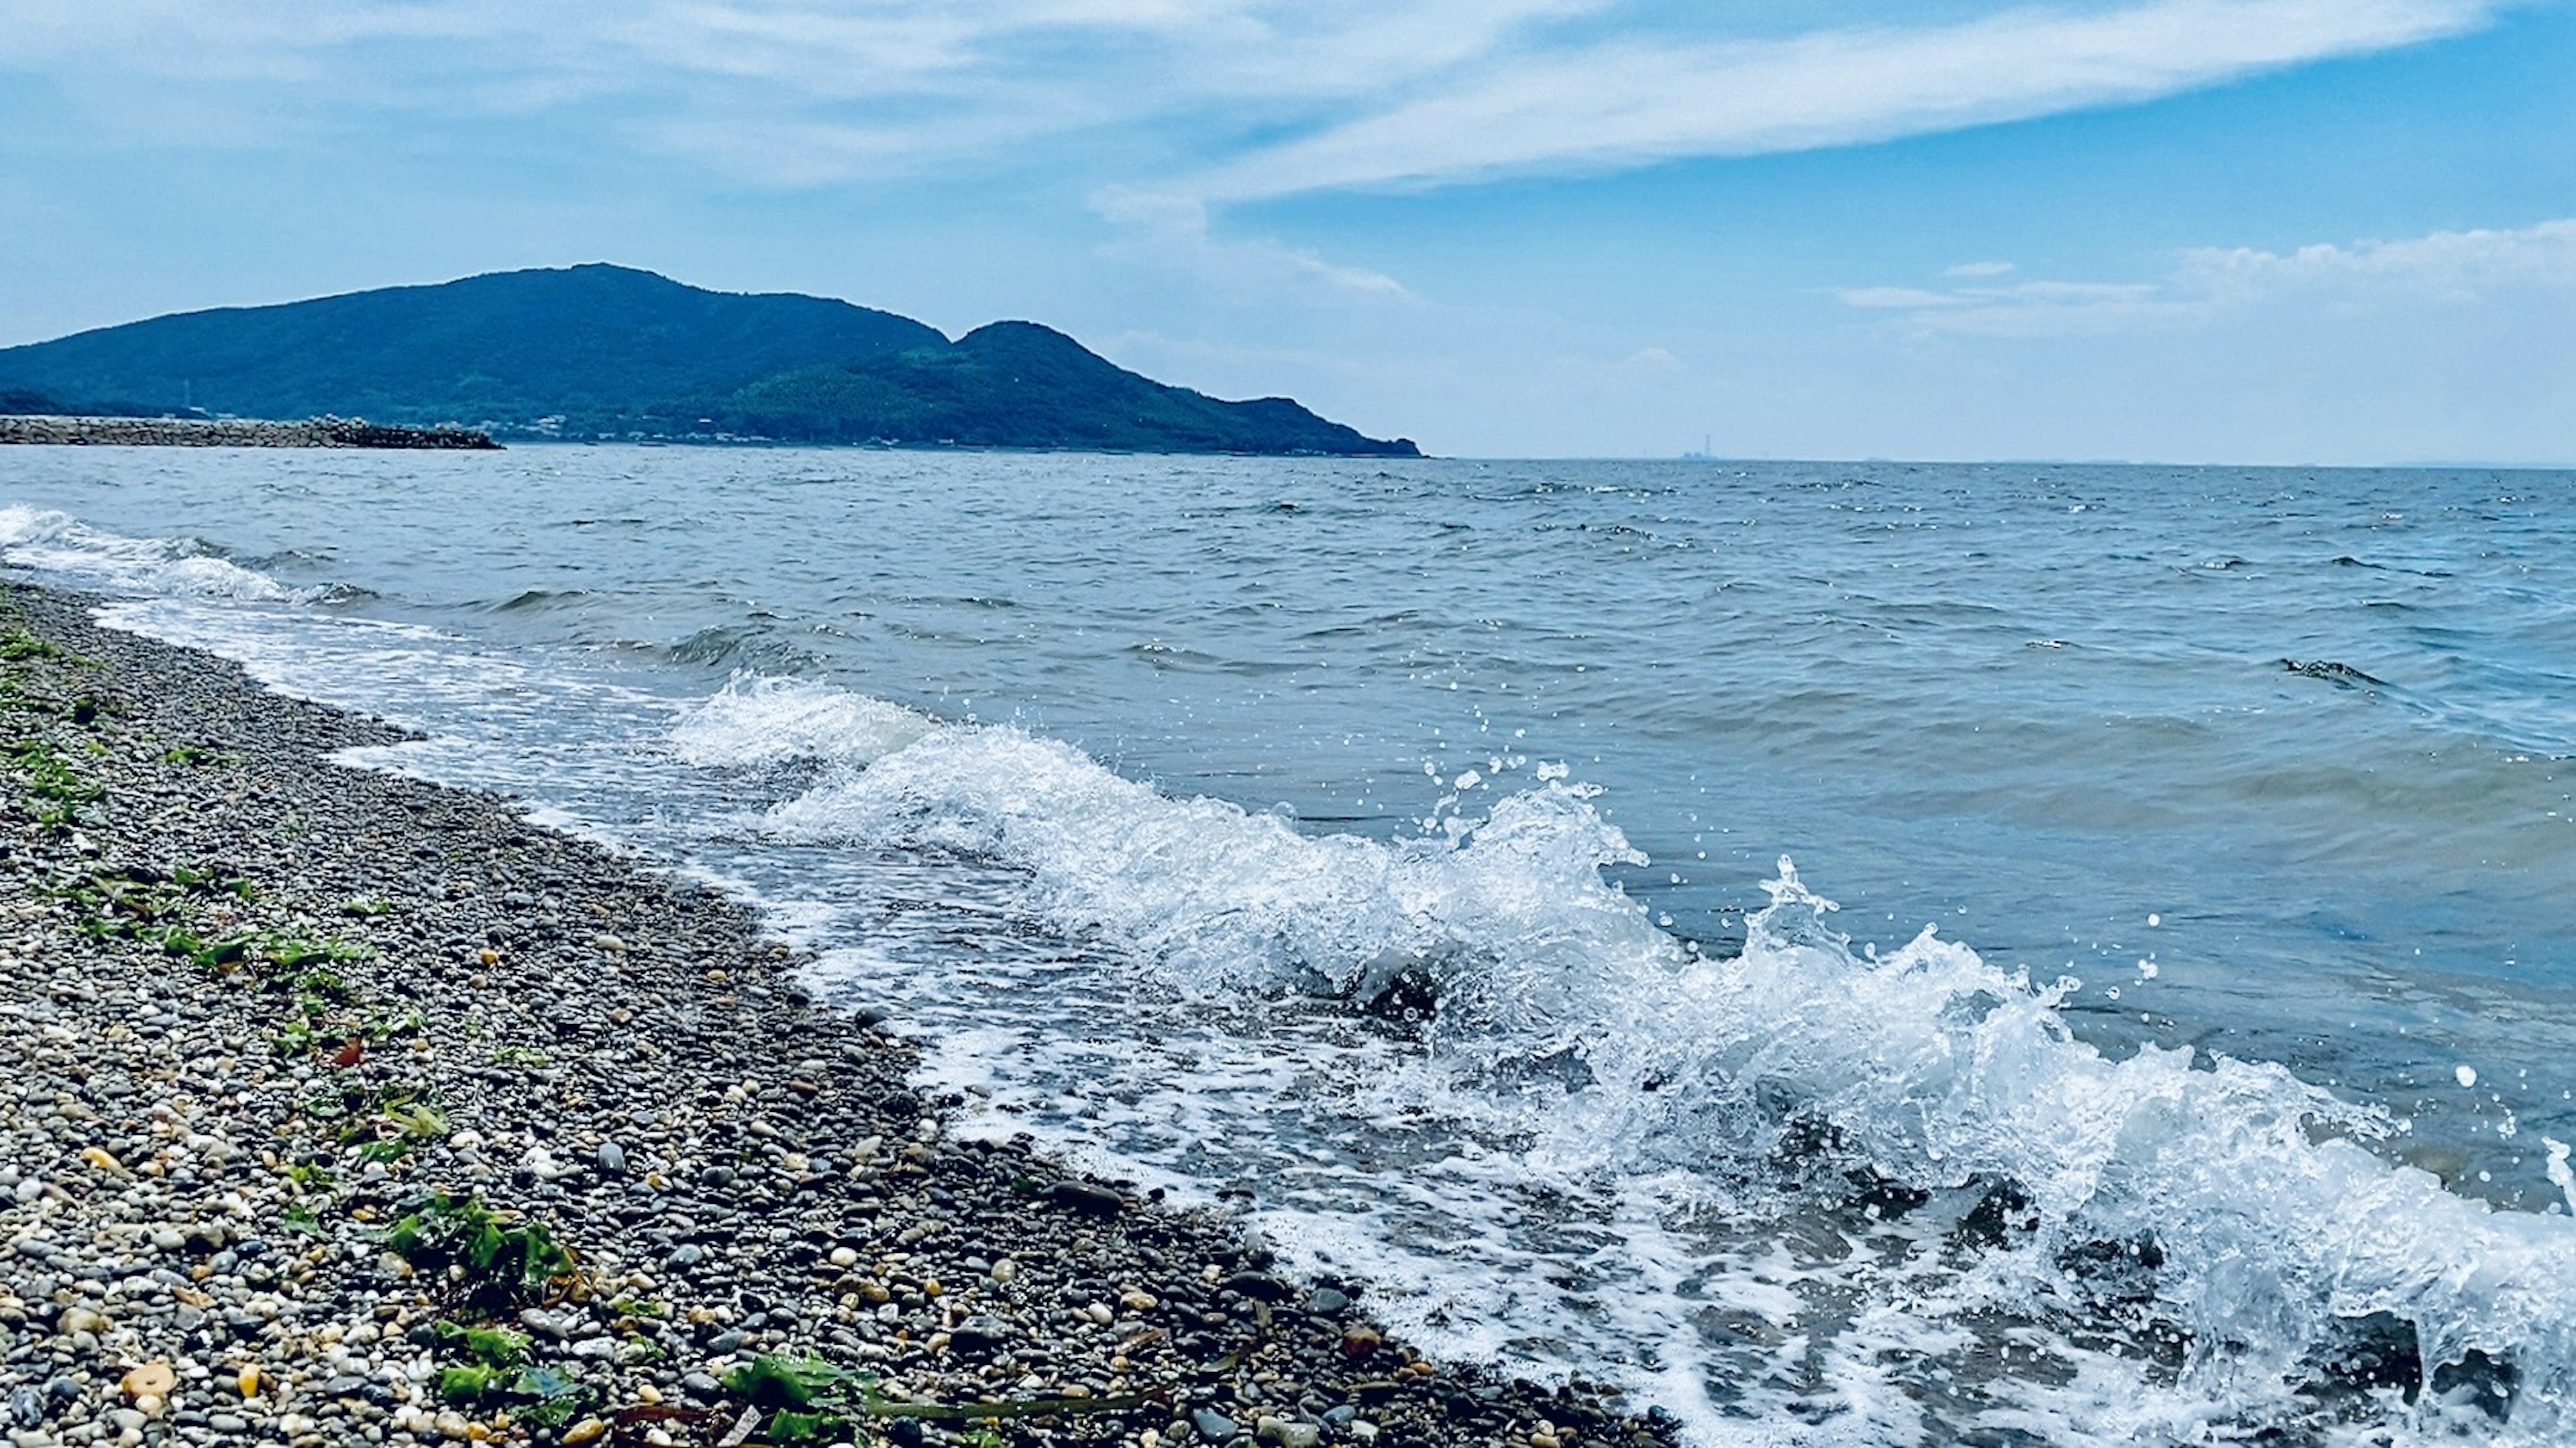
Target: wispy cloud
(1172, 231)
(2456, 268)
(2454, 265)
(1213, 99)
(1625, 103)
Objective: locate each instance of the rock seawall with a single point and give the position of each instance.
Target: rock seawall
(199, 432)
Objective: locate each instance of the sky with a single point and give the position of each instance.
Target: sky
(2233, 231)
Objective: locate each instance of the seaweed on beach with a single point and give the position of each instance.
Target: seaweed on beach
(493, 1259)
(811, 1400)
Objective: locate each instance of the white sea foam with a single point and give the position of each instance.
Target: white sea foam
(755, 720)
(59, 544)
(1609, 1058)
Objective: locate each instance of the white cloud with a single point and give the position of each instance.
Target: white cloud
(2446, 268)
(1625, 103)
(1216, 98)
(1978, 269)
(1170, 231)
(2457, 265)
(1898, 298)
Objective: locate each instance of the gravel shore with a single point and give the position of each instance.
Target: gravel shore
(341, 1108)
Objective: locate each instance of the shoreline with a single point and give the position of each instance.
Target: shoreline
(347, 1108)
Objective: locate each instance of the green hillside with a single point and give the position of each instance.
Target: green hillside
(605, 351)
(509, 347)
(1017, 384)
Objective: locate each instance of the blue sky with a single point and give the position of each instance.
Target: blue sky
(2193, 230)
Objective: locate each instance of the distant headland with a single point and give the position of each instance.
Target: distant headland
(603, 352)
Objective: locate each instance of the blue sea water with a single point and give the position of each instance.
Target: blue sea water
(1394, 852)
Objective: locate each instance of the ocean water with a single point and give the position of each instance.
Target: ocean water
(1437, 863)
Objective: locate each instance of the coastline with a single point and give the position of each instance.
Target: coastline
(292, 1045)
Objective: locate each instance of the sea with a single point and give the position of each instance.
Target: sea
(1854, 954)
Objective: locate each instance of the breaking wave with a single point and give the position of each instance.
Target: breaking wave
(51, 542)
(2216, 1233)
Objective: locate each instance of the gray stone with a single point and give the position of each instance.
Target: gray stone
(1284, 1433)
(1084, 1197)
(980, 1333)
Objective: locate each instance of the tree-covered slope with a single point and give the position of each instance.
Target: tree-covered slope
(20, 402)
(509, 347)
(1017, 384)
(604, 351)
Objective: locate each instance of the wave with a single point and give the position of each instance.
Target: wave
(757, 720)
(52, 542)
(2223, 1223)
(534, 599)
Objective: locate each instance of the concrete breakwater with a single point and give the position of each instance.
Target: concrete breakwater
(230, 432)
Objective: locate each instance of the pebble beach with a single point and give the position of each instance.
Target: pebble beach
(338, 1107)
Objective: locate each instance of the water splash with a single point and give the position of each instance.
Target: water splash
(756, 720)
(56, 543)
(2194, 1242)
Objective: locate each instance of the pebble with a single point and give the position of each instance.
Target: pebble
(1084, 1197)
(1284, 1433)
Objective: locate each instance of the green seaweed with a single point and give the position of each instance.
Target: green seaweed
(496, 1260)
(490, 1364)
(820, 1396)
(783, 1382)
(18, 646)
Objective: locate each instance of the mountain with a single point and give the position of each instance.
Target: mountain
(1017, 384)
(511, 346)
(602, 350)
